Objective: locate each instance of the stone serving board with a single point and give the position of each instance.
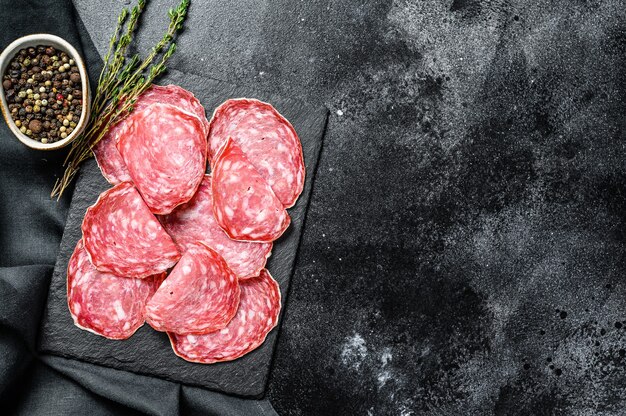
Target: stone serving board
(149, 352)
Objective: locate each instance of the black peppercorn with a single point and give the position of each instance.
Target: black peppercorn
(35, 126)
(39, 87)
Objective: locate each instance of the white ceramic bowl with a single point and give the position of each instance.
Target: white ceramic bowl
(62, 45)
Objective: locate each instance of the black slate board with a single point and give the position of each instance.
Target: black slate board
(148, 351)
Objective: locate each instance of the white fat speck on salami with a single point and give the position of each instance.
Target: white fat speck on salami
(256, 317)
(103, 303)
(123, 237)
(194, 222)
(244, 205)
(200, 295)
(267, 139)
(108, 157)
(164, 149)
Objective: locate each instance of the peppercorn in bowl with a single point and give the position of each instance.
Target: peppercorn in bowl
(45, 97)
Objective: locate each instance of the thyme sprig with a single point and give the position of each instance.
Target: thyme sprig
(122, 80)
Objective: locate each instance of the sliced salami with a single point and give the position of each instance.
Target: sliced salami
(103, 303)
(176, 96)
(108, 157)
(257, 315)
(123, 237)
(194, 221)
(243, 203)
(268, 140)
(164, 149)
(200, 295)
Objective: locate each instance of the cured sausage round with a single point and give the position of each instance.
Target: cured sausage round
(243, 203)
(122, 236)
(200, 295)
(193, 222)
(267, 139)
(257, 315)
(176, 96)
(109, 159)
(164, 149)
(103, 303)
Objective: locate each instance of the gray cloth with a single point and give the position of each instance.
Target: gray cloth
(31, 226)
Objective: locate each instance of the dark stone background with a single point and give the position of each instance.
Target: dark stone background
(464, 251)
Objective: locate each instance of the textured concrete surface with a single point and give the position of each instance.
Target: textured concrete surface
(464, 250)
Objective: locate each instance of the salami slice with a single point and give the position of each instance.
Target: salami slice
(122, 236)
(257, 315)
(268, 140)
(176, 96)
(243, 203)
(164, 149)
(193, 222)
(200, 295)
(109, 159)
(103, 303)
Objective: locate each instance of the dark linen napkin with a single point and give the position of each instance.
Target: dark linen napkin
(31, 227)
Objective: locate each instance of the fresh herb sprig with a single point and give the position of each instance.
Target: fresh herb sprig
(122, 80)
